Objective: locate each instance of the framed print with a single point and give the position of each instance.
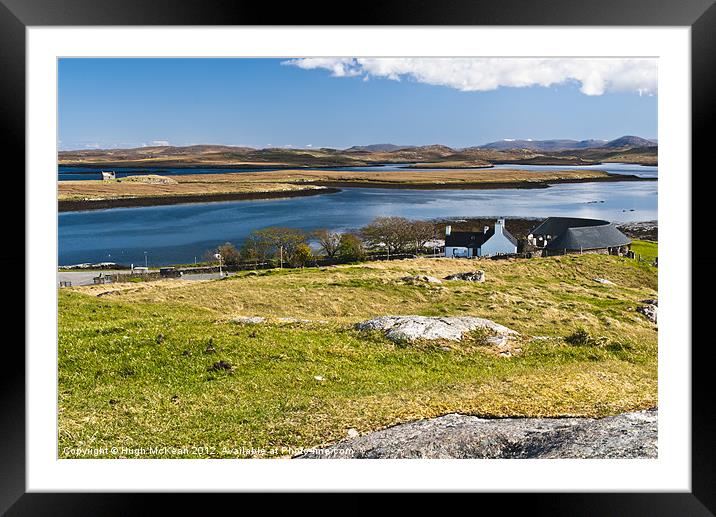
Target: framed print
(418, 252)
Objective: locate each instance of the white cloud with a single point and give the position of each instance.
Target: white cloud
(594, 75)
(160, 142)
(339, 66)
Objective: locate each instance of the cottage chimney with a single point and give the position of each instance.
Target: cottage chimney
(499, 225)
(448, 230)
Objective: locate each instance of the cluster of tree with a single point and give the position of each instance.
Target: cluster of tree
(346, 247)
(290, 246)
(398, 235)
(393, 235)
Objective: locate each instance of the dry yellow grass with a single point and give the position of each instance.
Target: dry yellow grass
(196, 185)
(134, 368)
(450, 164)
(115, 288)
(633, 158)
(531, 295)
(293, 180)
(413, 177)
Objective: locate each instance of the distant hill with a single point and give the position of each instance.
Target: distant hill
(630, 149)
(630, 141)
(544, 145)
(160, 150)
(565, 144)
(438, 149)
(379, 148)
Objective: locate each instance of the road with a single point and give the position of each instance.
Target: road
(87, 277)
(82, 277)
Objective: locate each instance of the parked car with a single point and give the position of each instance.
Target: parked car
(169, 272)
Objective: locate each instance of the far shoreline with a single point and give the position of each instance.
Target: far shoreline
(133, 202)
(414, 165)
(483, 185)
(330, 187)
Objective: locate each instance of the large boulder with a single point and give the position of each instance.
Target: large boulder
(469, 276)
(410, 328)
(629, 435)
(649, 309)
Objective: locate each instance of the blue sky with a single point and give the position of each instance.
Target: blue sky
(105, 103)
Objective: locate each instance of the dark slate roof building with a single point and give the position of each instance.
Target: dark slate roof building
(491, 241)
(577, 234)
(467, 239)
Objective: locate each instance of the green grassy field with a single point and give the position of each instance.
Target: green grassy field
(138, 365)
(647, 250)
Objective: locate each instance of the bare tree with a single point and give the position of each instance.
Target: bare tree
(255, 249)
(277, 242)
(421, 232)
(328, 241)
(391, 233)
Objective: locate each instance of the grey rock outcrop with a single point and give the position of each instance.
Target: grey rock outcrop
(629, 435)
(251, 320)
(469, 276)
(499, 340)
(422, 279)
(410, 328)
(649, 309)
(603, 281)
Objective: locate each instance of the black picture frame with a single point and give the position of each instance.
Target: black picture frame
(700, 15)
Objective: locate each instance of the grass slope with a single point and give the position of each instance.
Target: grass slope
(646, 250)
(134, 369)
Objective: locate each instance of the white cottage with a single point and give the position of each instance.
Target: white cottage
(495, 241)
